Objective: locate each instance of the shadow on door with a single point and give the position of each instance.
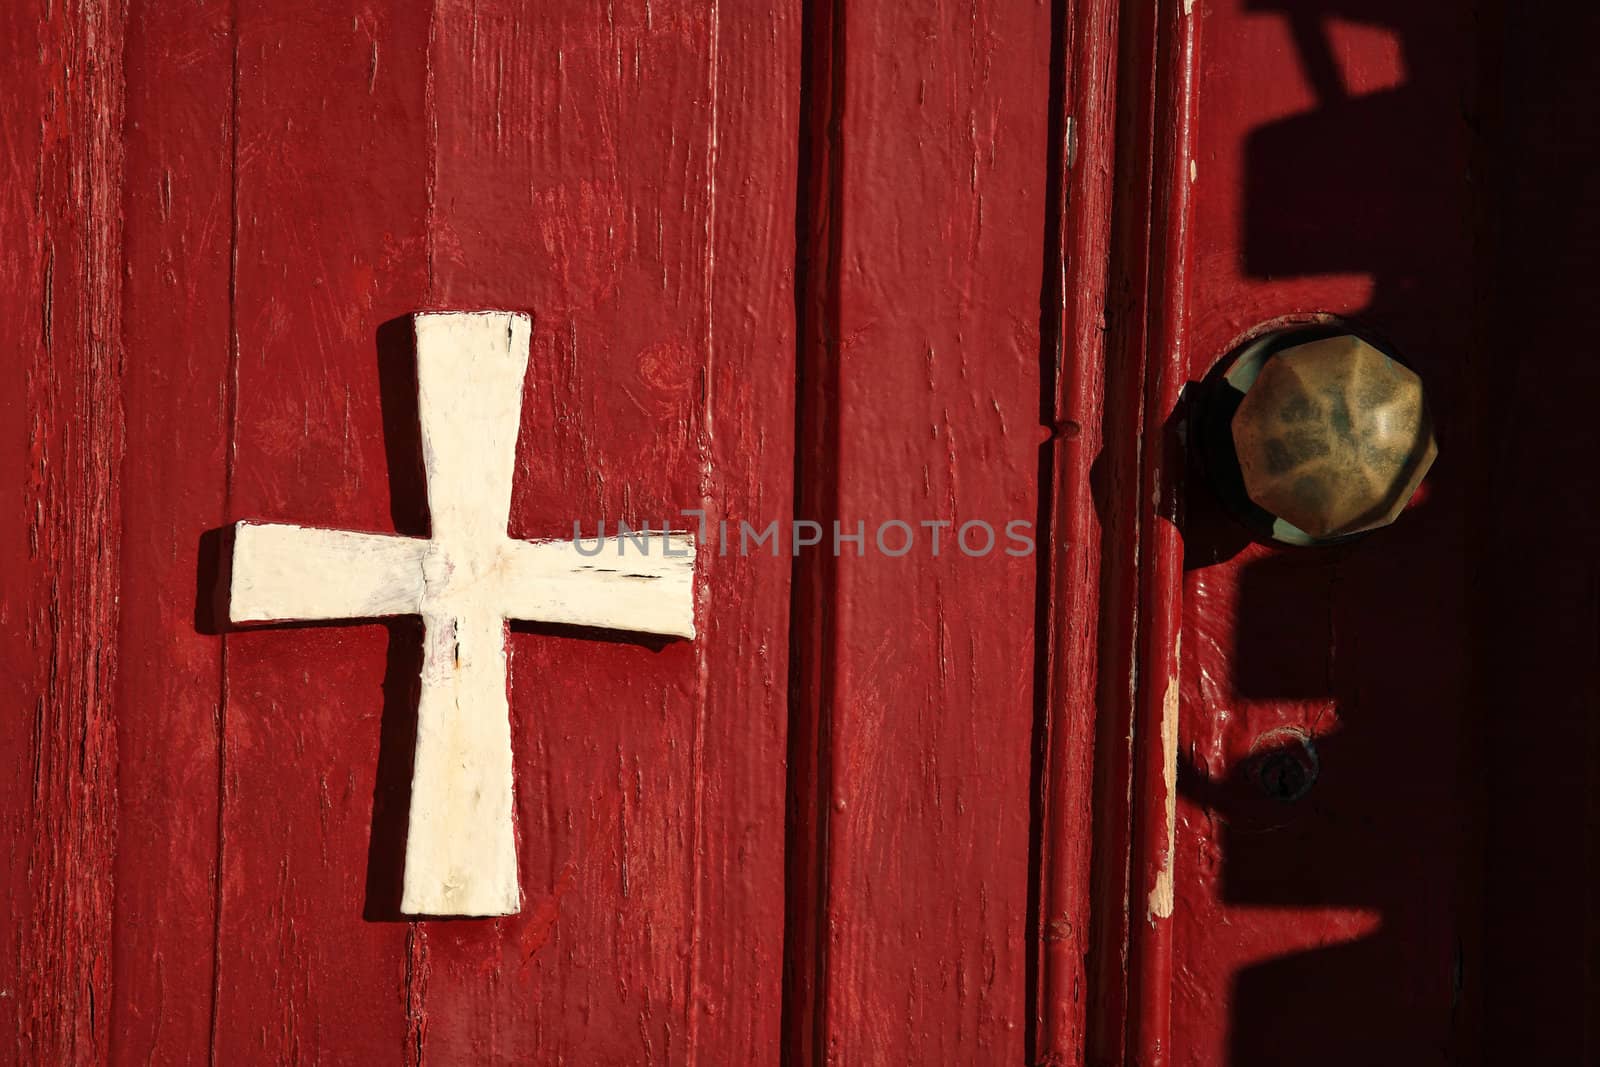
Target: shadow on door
(1457, 802)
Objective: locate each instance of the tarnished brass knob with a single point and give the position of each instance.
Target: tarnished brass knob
(1333, 437)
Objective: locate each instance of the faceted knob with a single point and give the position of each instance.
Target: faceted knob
(1333, 437)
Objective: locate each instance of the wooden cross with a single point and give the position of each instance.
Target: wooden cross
(465, 581)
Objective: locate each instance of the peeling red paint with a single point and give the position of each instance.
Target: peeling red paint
(60, 555)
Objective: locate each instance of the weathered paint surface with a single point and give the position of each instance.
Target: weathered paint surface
(648, 152)
(217, 214)
(1283, 163)
(297, 178)
(60, 553)
(912, 774)
(1078, 261)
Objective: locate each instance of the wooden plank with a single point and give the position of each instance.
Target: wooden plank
(923, 393)
(626, 175)
(1083, 158)
(1166, 360)
(60, 335)
(1332, 173)
(329, 210)
(177, 256)
(1112, 978)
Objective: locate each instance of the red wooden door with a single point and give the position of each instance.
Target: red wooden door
(855, 264)
(238, 203)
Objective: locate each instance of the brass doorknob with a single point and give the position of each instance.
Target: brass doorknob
(1333, 437)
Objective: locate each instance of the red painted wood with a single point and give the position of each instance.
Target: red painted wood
(1152, 1041)
(60, 330)
(636, 197)
(1116, 902)
(329, 207)
(178, 242)
(216, 217)
(1136, 485)
(1332, 174)
(922, 378)
(300, 177)
(1075, 317)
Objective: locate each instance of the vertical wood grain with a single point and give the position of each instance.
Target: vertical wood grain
(1159, 607)
(210, 214)
(626, 175)
(330, 153)
(1120, 509)
(923, 378)
(1083, 146)
(61, 159)
(176, 391)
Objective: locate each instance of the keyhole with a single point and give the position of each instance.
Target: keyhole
(1285, 764)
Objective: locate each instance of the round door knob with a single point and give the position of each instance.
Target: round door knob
(1333, 437)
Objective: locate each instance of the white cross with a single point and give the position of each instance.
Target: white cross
(465, 581)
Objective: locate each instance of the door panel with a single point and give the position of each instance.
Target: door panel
(915, 708)
(863, 263)
(628, 176)
(299, 179)
(329, 215)
(1329, 175)
(177, 322)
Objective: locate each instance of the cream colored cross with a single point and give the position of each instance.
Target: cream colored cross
(465, 581)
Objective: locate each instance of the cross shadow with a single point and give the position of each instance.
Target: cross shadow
(395, 345)
(397, 731)
(1361, 182)
(391, 789)
(652, 642)
(213, 576)
(1338, 1003)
